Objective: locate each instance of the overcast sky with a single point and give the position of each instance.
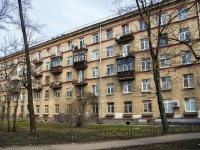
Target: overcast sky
(63, 15)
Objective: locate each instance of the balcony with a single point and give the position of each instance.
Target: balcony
(37, 87)
(56, 69)
(125, 66)
(54, 55)
(80, 47)
(15, 89)
(80, 97)
(56, 85)
(80, 82)
(37, 74)
(123, 37)
(37, 61)
(80, 64)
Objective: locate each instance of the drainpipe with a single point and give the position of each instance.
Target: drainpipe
(197, 8)
(100, 78)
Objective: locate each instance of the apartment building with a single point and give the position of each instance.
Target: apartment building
(111, 60)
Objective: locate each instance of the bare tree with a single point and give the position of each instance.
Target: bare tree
(156, 31)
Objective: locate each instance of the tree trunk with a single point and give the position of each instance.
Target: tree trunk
(156, 75)
(8, 116)
(15, 114)
(28, 64)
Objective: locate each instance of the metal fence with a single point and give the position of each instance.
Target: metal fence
(8, 139)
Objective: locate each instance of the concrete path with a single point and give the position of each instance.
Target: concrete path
(111, 144)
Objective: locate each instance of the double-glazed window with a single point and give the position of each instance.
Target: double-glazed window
(182, 13)
(37, 95)
(57, 61)
(168, 104)
(109, 51)
(186, 57)
(110, 107)
(146, 85)
(47, 94)
(95, 90)
(127, 107)
(69, 61)
(37, 109)
(68, 92)
(147, 106)
(125, 29)
(127, 87)
(164, 61)
(166, 83)
(188, 81)
(190, 104)
(126, 49)
(109, 34)
(95, 72)
(110, 69)
(161, 19)
(57, 93)
(145, 64)
(95, 108)
(184, 34)
(79, 55)
(69, 76)
(110, 88)
(125, 64)
(48, 66)
(144, 44)
(47, 80)
(95, 38)
(163, 41)
(142, 25)
(95, 55)
(70, 45)
(46, 109)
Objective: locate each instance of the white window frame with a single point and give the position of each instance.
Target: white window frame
(56, 109)
(110, 88)
(109, 34)
(168, 105)
(48, 65)
(69, 76)
(182, 13)
(146, 85)
(145, 64)
(144, 44)
(184, 34)
(69, 45)
(165, 61)
(190, 102)
(68, 92)
(127, 87)
(48, 51)
(147, 106)
(166, 83)
(142, 25)
(95, 90)
(95, 38)
(188, 81)
(47, 94)
(37, 109)
(37, 95)
(82, 41)
(57, 93)
(95, 72)
(162, 19)
(95, 55)
(109, 51)
(111, 108)
(46, 109)
(128, 107)
(110, 69)
(69, 61)
(126, 49)
(186, 57)
(125, 29)
(95, 108)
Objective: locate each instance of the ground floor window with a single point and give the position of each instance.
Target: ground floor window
(147, 106)
(127, 107)
(168, 104)
(190, 104)
(111, 107)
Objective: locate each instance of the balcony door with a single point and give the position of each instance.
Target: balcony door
(81, 76)
(126, 49)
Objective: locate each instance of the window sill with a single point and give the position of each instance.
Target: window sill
(127, 115)
(190, 114)
(187, 88)
(68, 97)
(110, 94)
(110, 115)
(163, 90)
(147, 114)
(46, 99)
(169, 114)
(127, 93)
(146, 91)
(45, 114)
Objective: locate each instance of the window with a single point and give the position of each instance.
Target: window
(22, 109)
(68, 92)
(126, 49)
(37, 95)
(95, 55)
(81, 76)
(163, 41)
(69, 76)
(168, 104)
(82, 41)
(57, 61)
(144, 43)
(79, 55)
(46, 109)
(190, 104)
(69, 61)
(110, 70)
(48, 66)
(146, 85)
(165, 60)
(58, 51)
(22, 96)
(69, 108)
(182, 13)
(95, 38)
(127, 87)
(127, 107)
(188, 81)
(166, 83)
(95, 108)
(110, 88)
(125, 64)
(95, 90)
(186, 57)
(57, 78)
(37, 109)
(47, 80)
(109, 51)
(142, 25)
(57, 93)
(31, 57)
(47, 94)
(15, 97)
(184, 34)
(57, 109)
(48, 52)
(39, 55)
(161, 19)
(125, 29)
(110, 107)
(109, 34)
(145, 64)
(70, 45)
(95, 72)
(147, 106)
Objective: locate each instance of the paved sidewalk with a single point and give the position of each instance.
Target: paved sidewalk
(111, 144)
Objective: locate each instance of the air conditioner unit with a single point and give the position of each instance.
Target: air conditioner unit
(118, 37)
(176, 103)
